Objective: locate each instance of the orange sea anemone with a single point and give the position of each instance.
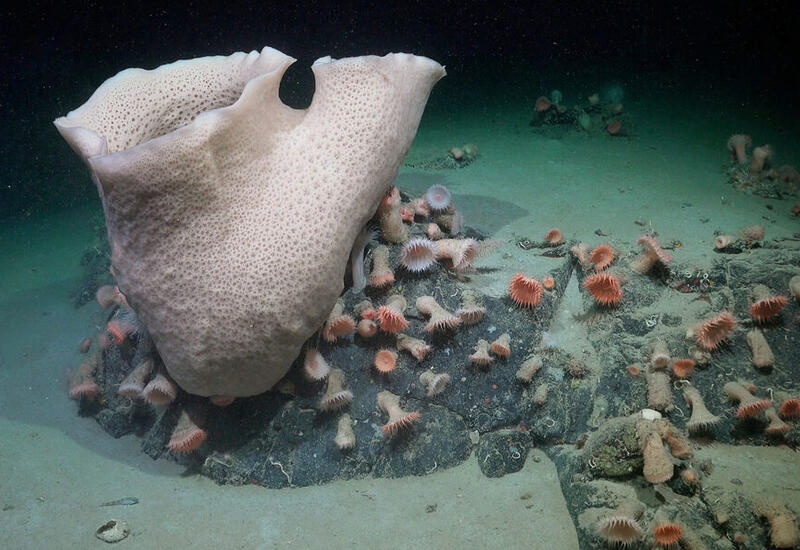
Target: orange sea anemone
(481, 356)
(416, 347)
(767, 307)
(790, 407)
(614, 127)
(667, 532)
(711, 332)
(502, 346)
(367, 328)
(390, 315)
(651, 248)
(749, 404)
(315, 367)
(381, 274)
(335, 397)
(548, 282)
(385, 361)
(187, 435)
(605, 288)
(161, 389)
(439, 319)
(601, 256)
(737, 145)
(682, 368)
(554, 236)
(399, 420)
(525, 291)
(634, 370)
(542, 104)
(338, 323)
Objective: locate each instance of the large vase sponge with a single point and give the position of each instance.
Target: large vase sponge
(230, 215)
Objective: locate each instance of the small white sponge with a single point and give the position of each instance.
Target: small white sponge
(230, 215)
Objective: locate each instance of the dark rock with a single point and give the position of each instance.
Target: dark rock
(502, 452)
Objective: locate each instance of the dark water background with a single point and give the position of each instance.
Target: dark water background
(54, 55)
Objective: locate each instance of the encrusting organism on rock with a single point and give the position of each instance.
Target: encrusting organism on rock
(502, 346)
(418, 255)
(381, 274)
(435, 383)
(345, 436)
(764, 305)
(399, 419)
(525, 291)
(390, 315)
(711, 332)
(529, 368)
(604, 287)
(759, 349)
(701, 419)
(188, 435)
(651, 253)
(440, 320)
(783, 531)
(481, 356)
(472, 308)
(416, 347)
(335, 396)
(749, 405)
(161, 389)
(338, 323)
(622, 526)
(315, 367)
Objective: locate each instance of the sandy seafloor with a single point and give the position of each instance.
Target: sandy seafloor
(56, 468)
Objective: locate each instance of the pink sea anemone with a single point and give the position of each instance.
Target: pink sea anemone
(418, 255)
(554, 237)
(161, 389)
(737, 145)
(187, 435)
(438, 197)
(390, 315)
(525, 291)
(385, 361)
(601, 256)
(604, 287)
(315, 367)
(711, 332)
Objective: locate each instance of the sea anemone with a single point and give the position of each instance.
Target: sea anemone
(345, 436)
(783, 531)
(315, 367)
(399, 420)
(81, 382)
(542, 104)
(749, 405)
(221, 400)
(529, 368)
(762, 355)
(683, 368)
(601, 256)
(794, 286)
(385, 361)
(634, 369)
(335, 396)
(701, 418)
(604, 287)
(472, 309)
(764, 305)
(188, 435)
(416, 347)
(381, 275)
(421, 207)
(667, 533)
(554, 237)
(581, 253)
(659, 354)
(161, 389)
(679, 446)
(133, 384)
(393, 229)
(752, 233)
(389, 199)
(659, 391)
(790, 406)
(438, 197)
(123, 324)
(338, 323)
(391, 316)
(658, 466)
(365, 309)
(711, 332)
(107, 296)
(651, 248)
(440, 320)
(737, 145)
(502, 346)
(418, 255)
(614, 127)
(525, 291)
(723, 241)
(621, 526)
(460, 253)
(434, 232)
(548, 282)
(761, 157)
(481, 356)
(776, 425)
(435, 383)
(367, 328)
